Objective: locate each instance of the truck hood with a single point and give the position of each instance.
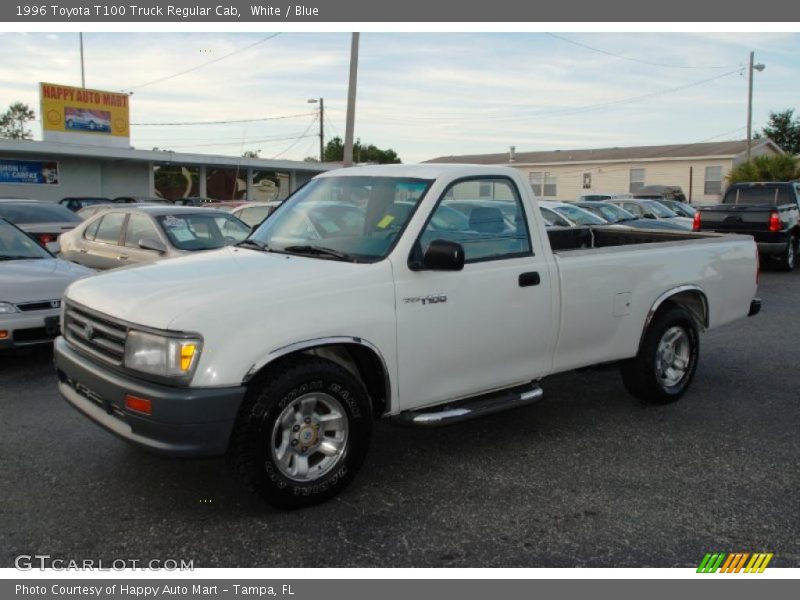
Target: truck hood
(32, 280)
(156, 294)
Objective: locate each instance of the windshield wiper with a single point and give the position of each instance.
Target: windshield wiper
(255, 244)
(320, 251)
(19, 257)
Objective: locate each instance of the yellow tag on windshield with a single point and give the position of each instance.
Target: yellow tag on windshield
(385, 221)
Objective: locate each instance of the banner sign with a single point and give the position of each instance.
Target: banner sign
(28, 171)
(447, 11)
(80, 115)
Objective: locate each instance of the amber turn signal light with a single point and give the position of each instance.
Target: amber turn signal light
(137, 404)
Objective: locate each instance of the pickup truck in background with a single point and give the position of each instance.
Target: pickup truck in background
(770, 212)
(367, 294)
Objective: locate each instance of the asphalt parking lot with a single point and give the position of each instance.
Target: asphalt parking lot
(587, 477)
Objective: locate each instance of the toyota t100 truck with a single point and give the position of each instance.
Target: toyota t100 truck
(425, 294)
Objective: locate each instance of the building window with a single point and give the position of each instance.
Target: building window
(637, 180)
(543, 183)
(713, 184)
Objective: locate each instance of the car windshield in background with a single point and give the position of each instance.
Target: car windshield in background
(358, 218)
(579, 216)
(15, 245)
(203, 231)
(23, 213)
(611, 212)
(758, 195)
(659, 209)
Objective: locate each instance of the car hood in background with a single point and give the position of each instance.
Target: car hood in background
(31, 280)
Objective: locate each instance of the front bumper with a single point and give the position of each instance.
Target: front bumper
(28, 328)
(186, 422)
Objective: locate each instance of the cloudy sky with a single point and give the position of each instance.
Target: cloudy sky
(424, 95)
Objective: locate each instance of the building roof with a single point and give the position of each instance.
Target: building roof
(21, 148)
(632, 153)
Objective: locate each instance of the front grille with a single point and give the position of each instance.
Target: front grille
(39, 305)
(101, 336)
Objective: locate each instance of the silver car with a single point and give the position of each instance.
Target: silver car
(254, 213)
(132, 234)
(32, 282)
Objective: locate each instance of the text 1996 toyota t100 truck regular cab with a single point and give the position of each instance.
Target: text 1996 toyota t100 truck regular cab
(429, 294)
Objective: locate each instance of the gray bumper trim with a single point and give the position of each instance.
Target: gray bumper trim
(185, 421)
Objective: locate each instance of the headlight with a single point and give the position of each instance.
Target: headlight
(6, 308)
(162, 355)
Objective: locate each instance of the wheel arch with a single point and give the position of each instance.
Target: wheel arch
(357, 355)
(692, 298)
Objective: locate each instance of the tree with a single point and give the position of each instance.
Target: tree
(334, 152)
(784, 130)
(12, 122)
(778, 167)
(251, 153)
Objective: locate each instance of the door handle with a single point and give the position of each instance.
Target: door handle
(529, 279)
(122, 257)
(83, 251)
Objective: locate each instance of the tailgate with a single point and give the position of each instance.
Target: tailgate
(740, 219)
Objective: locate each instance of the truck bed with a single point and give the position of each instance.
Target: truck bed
(584, 238)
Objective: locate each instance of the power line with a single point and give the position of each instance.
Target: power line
(227, 121)
(632, 59)
(293, 144)
(242, 142)
(205, 64)
(562, 111)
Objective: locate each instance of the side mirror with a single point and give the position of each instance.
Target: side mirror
(442, 255)
(153, 244)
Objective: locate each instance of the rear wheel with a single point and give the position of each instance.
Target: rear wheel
(789, 258)
(665, 365)
(302, 433)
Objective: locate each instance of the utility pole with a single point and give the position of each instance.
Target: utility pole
(351, 102)
(321, 102)
(757, 67)
(83, 75)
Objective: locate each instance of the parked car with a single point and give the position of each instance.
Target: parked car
(658, 192)
(32, 282)
(575, 215)
(617, 215)
(680, 208)
(140, 200)
(45, 221)
(644, 208)
(553, 219)
(770, 212)
(602, 197)
(254, 213)
(282, 351)
(148, 233)
(75, 203)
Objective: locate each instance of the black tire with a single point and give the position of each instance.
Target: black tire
(641, 374)
(251, 449)
(788, 260)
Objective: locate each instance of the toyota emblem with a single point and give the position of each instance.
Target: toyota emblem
(88, 331)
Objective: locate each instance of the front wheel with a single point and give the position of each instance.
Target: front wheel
(302, 433)
(665, 365)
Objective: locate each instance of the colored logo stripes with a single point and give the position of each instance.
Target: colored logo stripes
(735, 562)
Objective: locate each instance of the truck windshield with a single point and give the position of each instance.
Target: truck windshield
(343, 218)
(757, 195)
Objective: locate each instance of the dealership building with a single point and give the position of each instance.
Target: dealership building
(699, 169)
(48, 170)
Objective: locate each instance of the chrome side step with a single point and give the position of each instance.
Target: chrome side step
(471, 408)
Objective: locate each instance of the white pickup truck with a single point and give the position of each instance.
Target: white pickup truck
(428, 294)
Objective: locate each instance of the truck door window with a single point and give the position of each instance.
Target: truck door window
(485, 216)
